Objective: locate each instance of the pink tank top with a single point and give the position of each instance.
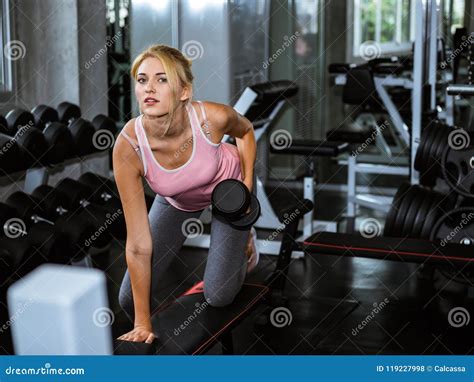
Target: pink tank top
(189, 187)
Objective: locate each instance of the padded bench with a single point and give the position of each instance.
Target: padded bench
(190, 326)
(315, 148)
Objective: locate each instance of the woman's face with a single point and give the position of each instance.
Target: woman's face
(151, 88)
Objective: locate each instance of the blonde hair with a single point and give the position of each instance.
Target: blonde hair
(177, 68)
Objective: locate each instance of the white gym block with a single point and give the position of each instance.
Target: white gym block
(60, 310)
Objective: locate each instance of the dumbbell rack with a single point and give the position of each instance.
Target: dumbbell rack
(40, 175)
(34, 177)
(97, 162)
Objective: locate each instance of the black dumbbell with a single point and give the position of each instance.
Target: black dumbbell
(56, 202)
(57, 135)
(9, 149)
(48, 245)
(232, 201)
(17, 118)
(74, 228)
(10, 155)
(68, 112)
(82, 131)
(102, 122)
(21, 129)
(14, 259)
(106, 218)
(105, 131)
(12, 249)
(108, 189)
(106, 194)
(3, 125)
(103, 186)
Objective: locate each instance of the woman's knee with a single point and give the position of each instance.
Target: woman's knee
(219, 297)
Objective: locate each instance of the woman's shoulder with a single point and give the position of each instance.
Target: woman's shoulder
(129, 127)
(218, 114)
(129, 131)
(124, 150)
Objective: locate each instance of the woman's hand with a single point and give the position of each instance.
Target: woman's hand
(139, 334)
(249, 184)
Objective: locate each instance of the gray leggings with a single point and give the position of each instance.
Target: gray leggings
(226, 262)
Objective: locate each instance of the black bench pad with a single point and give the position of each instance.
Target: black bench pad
(313, 148)
(189, 325)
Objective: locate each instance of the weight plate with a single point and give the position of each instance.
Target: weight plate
(430, 138)
(421, 148)
(417, 200)
(434, 155)
(230, 198)
(249, 218)
(457, 169)
(442, 142)
(456, 226)
(402, 212)
(392, 213)
(432, 216)
(422, 213)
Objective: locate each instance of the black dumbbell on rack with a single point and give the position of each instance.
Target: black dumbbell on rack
(55, 203)
(81, 130)
(105, 214)
(107, 189)
(20, 131)
(57, 135)
(86, 133)
(72, 226)
(29, 245)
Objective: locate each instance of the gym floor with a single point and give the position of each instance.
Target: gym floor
(329, 297)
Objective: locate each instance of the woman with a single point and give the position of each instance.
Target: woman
(181, 156)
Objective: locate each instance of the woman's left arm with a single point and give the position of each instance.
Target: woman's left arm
(236, 125)
(246, 145)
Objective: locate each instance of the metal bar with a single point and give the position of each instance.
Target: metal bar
(175, 23)
(371, 201)
(351, 185)
(308, 194)
(417, 92)
(433, 53)
(368, 168)
(460, 89)
(392, 110)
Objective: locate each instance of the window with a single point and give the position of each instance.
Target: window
(388, 24)
(453, 16)
(5, 64)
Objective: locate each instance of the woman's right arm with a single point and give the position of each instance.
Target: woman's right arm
(128, 172)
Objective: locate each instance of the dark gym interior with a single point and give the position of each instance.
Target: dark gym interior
(362, 113)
